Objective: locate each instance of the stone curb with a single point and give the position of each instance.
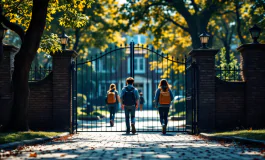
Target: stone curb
(14, 145)
(232, 138)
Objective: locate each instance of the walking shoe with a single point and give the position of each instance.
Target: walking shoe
(127, 131)
(133, 129)
(164, 129)
(111, 123)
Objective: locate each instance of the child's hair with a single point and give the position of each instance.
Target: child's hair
(129, 80)
(111, 87)
(163, 82)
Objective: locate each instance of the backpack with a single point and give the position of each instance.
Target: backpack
(128, 97)
(164, 97)
(111, 97)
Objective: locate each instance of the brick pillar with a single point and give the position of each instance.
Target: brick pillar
(6, 68)
(253, 65)
(205, 60)
(62, 89)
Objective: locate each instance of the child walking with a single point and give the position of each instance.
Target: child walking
(163, 98)
(129, 97)
(112, 101)
(142, 101)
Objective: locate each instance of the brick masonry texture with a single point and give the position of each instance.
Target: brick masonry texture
(40, 104)
(253, 64)
(49, 100)
(5, 84)
(148, 146)
(230, 107)
(206, 88)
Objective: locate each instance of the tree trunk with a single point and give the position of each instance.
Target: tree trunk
(238, 21)
(77, 38)
(197, 25)
(1, 52)
(227, 53)
(23, 60)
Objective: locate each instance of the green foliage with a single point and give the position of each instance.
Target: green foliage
(225, 70)
(81, 99)
(19, 136)
(81, 113)
(50, 43)
(179, 107)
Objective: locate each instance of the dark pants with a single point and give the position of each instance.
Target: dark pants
(129, 110)
(112, 110)
(163, 112)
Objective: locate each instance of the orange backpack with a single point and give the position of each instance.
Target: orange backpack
(111, 98)
(164, 97)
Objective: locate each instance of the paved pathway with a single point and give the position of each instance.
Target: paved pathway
(147, 120)
(111, 145)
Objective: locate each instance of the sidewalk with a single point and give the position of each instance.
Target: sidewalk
(145, 145)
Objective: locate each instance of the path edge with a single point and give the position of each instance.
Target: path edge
(232, 138)
(14, 145)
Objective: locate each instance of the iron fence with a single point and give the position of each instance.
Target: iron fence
(229, 74)
(39, 73)
(147, 65)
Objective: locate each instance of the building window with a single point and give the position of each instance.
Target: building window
(142, 39)
(104, 66)
(137, 39)
(141, 61)
(139, 65)
(102, 89)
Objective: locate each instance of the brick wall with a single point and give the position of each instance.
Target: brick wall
(204, 59)
(253, 63)
(5, 84)
(62, 89)
(50, 98)
(40, 104)
(230, 105)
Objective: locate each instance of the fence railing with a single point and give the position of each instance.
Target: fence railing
(38, 73)
(230, 74)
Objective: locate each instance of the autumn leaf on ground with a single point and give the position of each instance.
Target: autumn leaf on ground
(33, 154)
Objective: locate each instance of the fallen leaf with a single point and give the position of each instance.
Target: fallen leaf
(62, 155)
(33, 154)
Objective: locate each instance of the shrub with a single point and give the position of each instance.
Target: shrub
(81, 98)
(180, 105)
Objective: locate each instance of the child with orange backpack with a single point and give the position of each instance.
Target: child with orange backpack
(112, 101)
(163, 98)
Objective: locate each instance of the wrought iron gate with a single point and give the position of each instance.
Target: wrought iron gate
(148, 66)
(191, 97)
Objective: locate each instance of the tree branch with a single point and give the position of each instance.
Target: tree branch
(14, 27)
(177, 24)
(238, 21)
(195, 6)
(36, 27)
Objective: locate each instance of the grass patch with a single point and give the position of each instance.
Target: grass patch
(19, 136)
(251, 134)
(178, 114)
(81, 113)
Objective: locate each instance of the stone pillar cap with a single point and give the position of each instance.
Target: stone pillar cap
(251, 46)
(203, 52)
(8, 47)
(65, 53)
